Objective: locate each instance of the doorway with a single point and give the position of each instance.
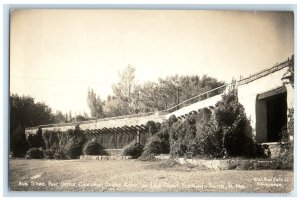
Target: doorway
(271, 115)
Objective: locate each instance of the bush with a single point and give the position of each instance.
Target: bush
(159, 143)
(133, 149)
(18, 143)
(286, 144)
(153, 147)
(34, 153)
(178, 149)
(49, 153)
(182, 135)
(223, 132)
(73, 147)
(36, 140)
(237, 134)
(92, 148)
(50, 139)
(67, 145)
(208, 136)
(152, 127)
(59, 154)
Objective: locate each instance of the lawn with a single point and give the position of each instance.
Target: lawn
(139, 176)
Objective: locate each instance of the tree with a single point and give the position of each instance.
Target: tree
(235, 127)
(25, 112)
(80, 118)
(18, 143)
(172, 90)
(112, 107)
(95, 104)
(126, 91)
(58, 117)
(150, 97)
(28, 113)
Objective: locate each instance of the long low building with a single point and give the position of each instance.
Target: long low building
(267, 97)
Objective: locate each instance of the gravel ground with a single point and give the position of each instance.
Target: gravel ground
(139, 176)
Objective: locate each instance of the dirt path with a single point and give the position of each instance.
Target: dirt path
(137, 176)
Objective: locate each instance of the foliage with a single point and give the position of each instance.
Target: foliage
(92, 148)
(49, 153)
(58, 117)
(25, 112)
(174, 89)
(81, 118)
(95, 104)
(18, 143)
(36, 140)
(133, 149)
(64, 145)
(112, 107)
(159, 143)
(126, 91)
(50, 139)
(34, 153)
(152, 127)
(286, 155)
(208, 135)
(237, 134)
(224, 131)
(182, 135)
(59, 154)
(153, 147)
(73, 145)
(131, 98)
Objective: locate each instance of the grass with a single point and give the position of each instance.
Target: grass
(139, 176)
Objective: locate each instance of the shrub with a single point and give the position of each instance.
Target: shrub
(49, 153)
(286, 144)
(73, 146)
(68, 145)
(152, 127)
(159, 143)
(59, 154)
(182, 134)
(237, 134)
(36, 140)
(50, 139)
(164, 136)
(178, 149)
(18, 143)
(208, 136)
(92, 148)
(133, 149)
(223, 132)
(34, 153)
(153, 147)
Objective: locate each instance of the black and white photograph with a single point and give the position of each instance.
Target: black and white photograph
(151, 100)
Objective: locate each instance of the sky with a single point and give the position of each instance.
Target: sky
(56, 55)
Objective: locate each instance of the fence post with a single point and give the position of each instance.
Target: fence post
(116, 140)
